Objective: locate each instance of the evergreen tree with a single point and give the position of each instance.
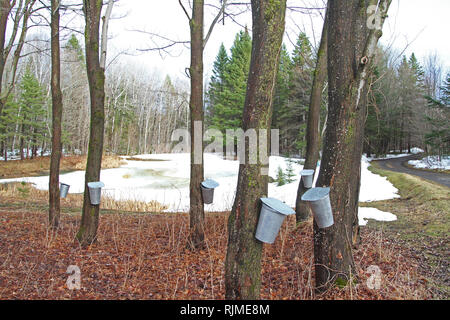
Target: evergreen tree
(302, 83)
(229, 103)
(382, 123)
(438, 119)
(416, 69)
(217, 82)
(293, 90)
(74, 44)
(373, 131)
(290, 173)
(281, 99)
(281, 177)
(445, 91)
(410, 104)
(303, 53)
(9, 121)
(33, 111)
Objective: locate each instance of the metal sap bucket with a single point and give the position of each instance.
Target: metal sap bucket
(208, 187)
(319, 201)
(63, 190)
(307, 178)
(271, 217)
(95, 192)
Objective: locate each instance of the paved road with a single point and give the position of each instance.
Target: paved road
(398, 165)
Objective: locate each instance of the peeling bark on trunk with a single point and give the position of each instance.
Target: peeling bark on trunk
(302, 210)
(243, 261)
(54, 199)
(349, 41)
(87, 233)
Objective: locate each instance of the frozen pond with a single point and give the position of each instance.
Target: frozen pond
(165, 178)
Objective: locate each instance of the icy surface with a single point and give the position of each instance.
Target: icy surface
(166, 180)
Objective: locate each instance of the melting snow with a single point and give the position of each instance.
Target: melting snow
(167, 181)
(373, 213)
(432, 162)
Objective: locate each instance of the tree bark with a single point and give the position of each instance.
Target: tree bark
(87, 233)
(104, 40)
(5, 8)
(196, 210)
(302, 210)
(243, 260)
(22, 14)
(351, 47)
(54, 199)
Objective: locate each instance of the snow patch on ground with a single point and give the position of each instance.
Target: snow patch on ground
(167, 181)
(396, 154)
(389, 156)
(416, 150)
(432, 162)
(373, 213)
(16, 155)
(374, 187)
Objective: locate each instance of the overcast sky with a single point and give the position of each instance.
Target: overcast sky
(424, 25)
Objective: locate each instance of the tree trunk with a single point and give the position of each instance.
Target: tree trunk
(87, 233)
(313, 126)
(22, 14)
(5, 8)
(243, 260)
(196, 210)
(21, 143)
(351, 47)
(54, 199)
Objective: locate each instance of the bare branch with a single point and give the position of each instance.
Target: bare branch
(213, 23)
(184, 9)
(163, 48)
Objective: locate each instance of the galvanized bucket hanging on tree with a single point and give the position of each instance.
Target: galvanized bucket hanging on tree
(307, 178)
(208, 187)
(271, 217)
(319, 201)
(95, 192)
(63, 190)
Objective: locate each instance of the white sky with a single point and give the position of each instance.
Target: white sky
(424, 23)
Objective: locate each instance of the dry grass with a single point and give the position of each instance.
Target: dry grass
(423, 224)
(26, 193)
(145, 257)
(41, 165)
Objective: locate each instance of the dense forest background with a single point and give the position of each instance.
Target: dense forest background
(408, 101)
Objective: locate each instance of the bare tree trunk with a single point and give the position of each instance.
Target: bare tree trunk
(22, 142)
(54, 200)
(5, 8)
(243, 261)
(87, 233)
(196, 210)
(22, 14)
(104, 39)
(351, 48)
(313, 125)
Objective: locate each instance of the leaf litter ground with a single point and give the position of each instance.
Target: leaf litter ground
(146, 257)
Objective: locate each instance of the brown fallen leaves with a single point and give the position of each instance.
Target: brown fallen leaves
(145, 257)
